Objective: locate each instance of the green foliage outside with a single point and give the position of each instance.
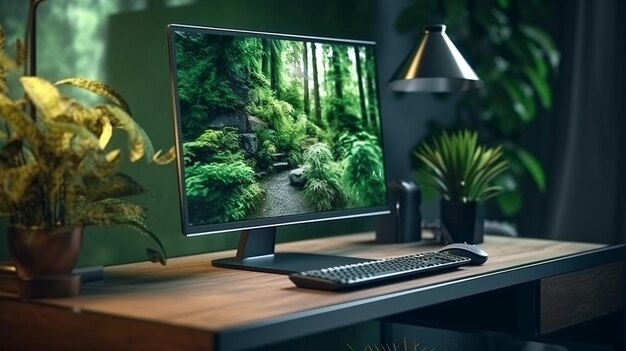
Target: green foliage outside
(213, 146)
(221, 192)
(220, 185)
(507, 43)
(323, 175)
(296, 104)
(206, 85)
(281, 117)
(363, 174)
(346, 141)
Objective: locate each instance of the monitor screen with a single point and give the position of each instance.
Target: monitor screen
(274, 129)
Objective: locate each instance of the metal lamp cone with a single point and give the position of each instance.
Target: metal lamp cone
(434, 66)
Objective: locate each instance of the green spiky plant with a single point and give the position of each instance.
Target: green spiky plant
(458, 168)
(55, 167)
(511, 47)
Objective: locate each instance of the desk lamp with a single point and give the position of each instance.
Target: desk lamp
(435, 65)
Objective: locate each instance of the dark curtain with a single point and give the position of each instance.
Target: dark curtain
(583, 140)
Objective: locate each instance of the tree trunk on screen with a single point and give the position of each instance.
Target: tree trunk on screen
(275, 67)
(305, 68)
(371, 88)
(359, 74)
(265, 58)
(316, 87)
(339, 108)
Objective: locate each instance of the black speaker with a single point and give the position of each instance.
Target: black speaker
(404, 223)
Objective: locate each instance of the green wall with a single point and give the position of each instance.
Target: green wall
(123, 43)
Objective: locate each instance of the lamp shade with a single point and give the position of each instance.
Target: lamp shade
(435, 65)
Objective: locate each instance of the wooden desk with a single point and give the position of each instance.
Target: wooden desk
(190, 305)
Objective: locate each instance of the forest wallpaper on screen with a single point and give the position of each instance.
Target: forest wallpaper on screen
(275, 127)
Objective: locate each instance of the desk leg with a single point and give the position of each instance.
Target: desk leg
(527, 296)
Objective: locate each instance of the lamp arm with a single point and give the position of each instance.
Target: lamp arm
(30, 69)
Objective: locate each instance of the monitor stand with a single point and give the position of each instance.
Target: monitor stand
(256, 253)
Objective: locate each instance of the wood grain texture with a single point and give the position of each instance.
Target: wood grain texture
(575, 297)
(31, 326)
(190, 293)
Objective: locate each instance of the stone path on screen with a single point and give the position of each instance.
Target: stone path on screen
(281, 197)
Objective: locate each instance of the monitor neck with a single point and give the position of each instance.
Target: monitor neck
(256, 253)
(256, 242)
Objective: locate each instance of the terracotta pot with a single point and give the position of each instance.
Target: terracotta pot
(37, 251)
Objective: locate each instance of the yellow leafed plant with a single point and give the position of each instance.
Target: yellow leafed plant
(55, 167)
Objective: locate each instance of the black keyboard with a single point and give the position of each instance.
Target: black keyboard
(378, 271)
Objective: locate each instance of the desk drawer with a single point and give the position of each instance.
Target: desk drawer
(572, 298)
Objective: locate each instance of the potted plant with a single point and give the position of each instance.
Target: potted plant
(516, 57)
(462, 172)
(58, 172)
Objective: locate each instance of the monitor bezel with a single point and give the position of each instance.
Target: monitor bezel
(258, 223)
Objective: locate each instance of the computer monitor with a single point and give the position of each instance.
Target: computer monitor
(274, 129)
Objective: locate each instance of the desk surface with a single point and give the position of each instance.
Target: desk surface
(239, 309)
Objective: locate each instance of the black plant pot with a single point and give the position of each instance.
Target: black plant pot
(463, 221)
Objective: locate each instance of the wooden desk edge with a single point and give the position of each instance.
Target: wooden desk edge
(304, 321)
(336, 316)
(36, 326)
